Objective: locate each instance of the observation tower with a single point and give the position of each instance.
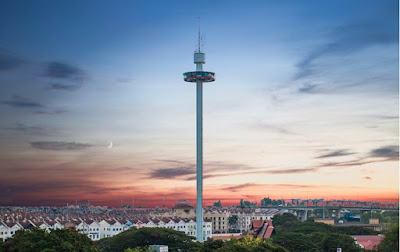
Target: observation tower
(199, 77)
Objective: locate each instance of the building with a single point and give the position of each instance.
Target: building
(183, 209)
(8, 229)
(326, 221)
(246, 216)
(260, 229)
(160, 248)
(219, 220)
(368, 242)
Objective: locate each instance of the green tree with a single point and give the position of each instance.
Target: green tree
(212, 245)
(266, 202)
(232, 220)
(366, 216)
(315, 242)
(250, 245)
(390, 217)
(285, 218)
(333, 241)
(133, 238)
(311, 227)
(354, 230)
(218, 204)
(294, 241)
(140, 249)
(245, 203)
(57, 240)
(391, 240)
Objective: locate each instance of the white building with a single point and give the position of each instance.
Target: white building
(91, 228)
(8, 229)
(110, 227)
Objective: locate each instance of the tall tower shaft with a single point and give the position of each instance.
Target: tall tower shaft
(199, 76)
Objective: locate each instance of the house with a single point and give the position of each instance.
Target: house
(368, 242)
(91, 228)
(8, 229)
(261, 229)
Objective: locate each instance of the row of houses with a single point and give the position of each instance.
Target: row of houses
(98, 229)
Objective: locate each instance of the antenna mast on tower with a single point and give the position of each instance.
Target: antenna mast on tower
(199, 35)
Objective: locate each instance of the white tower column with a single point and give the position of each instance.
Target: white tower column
(199, 156)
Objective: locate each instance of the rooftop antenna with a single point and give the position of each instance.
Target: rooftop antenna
(199, 36)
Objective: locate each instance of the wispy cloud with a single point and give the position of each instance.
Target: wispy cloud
(9, 61)
(174, 161)
(367, 178)
(235, 188)
(21, 102)
(348, 163)
(52, 145)
(65, 87)
(390, 152)
(337, 153)
(20, 127)
(273, 128)
(308, 88)
(64, 71)
(51, 112)
(291, 171)
(169, 173)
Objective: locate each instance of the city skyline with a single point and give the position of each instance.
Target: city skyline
(94, 106)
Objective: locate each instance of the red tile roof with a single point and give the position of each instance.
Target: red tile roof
(368, 241)
(261, 228)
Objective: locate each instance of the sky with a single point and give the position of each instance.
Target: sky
(305, 102)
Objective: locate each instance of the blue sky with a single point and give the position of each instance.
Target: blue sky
(306, 99)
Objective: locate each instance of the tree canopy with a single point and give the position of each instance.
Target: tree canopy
(246, 204)
(391, 240)
(242, 245)
(59, 240)
(142, 237)
(285, 218)
(217, 204)
(297, 235)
